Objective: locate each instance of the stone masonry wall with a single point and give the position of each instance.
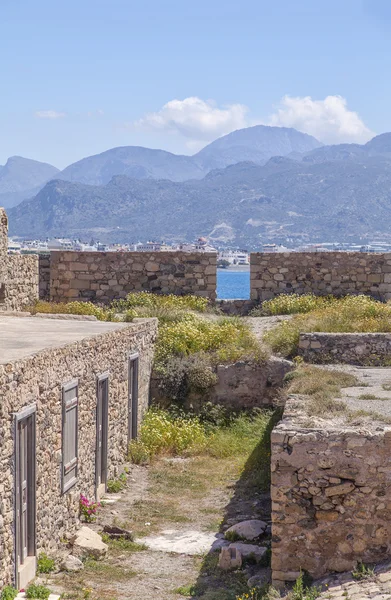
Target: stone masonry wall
(3, 252)
(331, 497)
(349, 348)
(39, 379)
(21, 283)
(320, 273)
(104, 276)
(44, 276)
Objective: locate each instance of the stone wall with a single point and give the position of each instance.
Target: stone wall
(104, 276)
(44, 276)
(39, 379)
(240, 385)
(3, 252)
(320, 273)
(331, 496)
(239, 308)
(21, 282)
(349, 348)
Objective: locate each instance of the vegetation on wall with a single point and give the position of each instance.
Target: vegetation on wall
(351, 314)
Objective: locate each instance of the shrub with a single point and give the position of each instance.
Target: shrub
(289, 304)
(162, 433)
(225, 339)
(116, 485)
(38, 592)
(363, 571)
(72, 308)
(45, 564)
(302, 591)
(88, 509)
(8, 593)
(180, 375)
(351, 314)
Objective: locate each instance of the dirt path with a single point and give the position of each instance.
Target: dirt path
(202, 496)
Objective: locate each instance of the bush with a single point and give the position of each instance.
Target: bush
(8, 593)
(72, 308)
(289, 304)
(226, 340)
(37, 592)
(45, 564)
(352, 314)
(182, 374)
(116, 485)
(161, 433)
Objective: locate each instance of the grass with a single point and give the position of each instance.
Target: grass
(122, 544)
(322, 386)
(352, 314)
(163, 433)
(45, 564)
(369, 397)
(363, 571)
(117, 485)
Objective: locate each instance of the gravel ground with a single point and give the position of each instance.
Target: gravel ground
(262, 324)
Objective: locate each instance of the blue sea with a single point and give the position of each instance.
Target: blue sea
(233, 284)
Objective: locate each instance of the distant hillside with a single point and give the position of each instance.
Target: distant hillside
(22, 178)
(241, 204)
(256, 144)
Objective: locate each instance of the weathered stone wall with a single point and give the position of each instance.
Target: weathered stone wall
(39, 379)
(44, 276)
(240, 385)
(235, 307)
(21, 281)
(331, 497)
(104, 276)
(320, 273)
(3, 252)
(349, 348)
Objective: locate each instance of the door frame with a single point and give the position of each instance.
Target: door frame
(102, 411)
(27, 413)
(133, 363)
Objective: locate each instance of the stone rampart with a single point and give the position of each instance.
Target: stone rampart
(104, 276)
(350, 348)
(21, 282)
(44, 276)
(320, 273)
(331, 497)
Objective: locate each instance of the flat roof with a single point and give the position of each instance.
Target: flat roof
(21, 337)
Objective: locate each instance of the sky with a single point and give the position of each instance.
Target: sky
(80, 77)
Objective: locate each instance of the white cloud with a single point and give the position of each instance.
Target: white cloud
(49, 114)
(196, 119)
(329, 120)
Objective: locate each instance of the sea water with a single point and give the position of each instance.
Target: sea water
(233, 284)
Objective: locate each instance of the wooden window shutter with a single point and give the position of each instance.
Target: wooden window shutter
(70, 434)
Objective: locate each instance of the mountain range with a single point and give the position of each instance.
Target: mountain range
(253, 185)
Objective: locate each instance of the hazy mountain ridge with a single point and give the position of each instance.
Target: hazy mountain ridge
(242, 204)
(22, 178)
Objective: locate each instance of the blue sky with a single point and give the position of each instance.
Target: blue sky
(79, 77)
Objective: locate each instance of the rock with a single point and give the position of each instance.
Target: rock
(339, 490)
(229, 558)
(247, 530)
(118, 532)
(88, 543)
(249, 550)
(260, 578)
(72, 563)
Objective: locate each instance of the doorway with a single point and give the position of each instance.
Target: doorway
(102, 432)
(25, 485)
(133, 364)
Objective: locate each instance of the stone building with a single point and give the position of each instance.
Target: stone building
(72, 394)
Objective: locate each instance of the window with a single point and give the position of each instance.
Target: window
(70, 410)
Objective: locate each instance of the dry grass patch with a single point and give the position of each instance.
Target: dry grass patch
(322, 386)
